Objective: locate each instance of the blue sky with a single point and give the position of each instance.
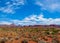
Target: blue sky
(30, 12)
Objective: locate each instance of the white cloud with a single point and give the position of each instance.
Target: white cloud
(50, 5)
(18, 2)
(55, 7)
(38, 20)
(7, 10)
(33, 20)
(12, 6)
(5, 23)
(39, 3)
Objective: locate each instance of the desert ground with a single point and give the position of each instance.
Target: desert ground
(30, 34)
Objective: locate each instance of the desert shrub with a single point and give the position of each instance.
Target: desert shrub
(54, 31)
(9, 38)
(16, 38)
(47, 33)
(34, 38)
(1, 29)
(55, 41)
(3, 40)
(36, 30)
(24, 41)
(29, 36)
(41, 41)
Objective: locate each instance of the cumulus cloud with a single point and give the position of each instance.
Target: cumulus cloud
(11, 6)
(38, 20)
(18, 2)
(7, 10)
(50, 5)
(5, 23)
(34, 20)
